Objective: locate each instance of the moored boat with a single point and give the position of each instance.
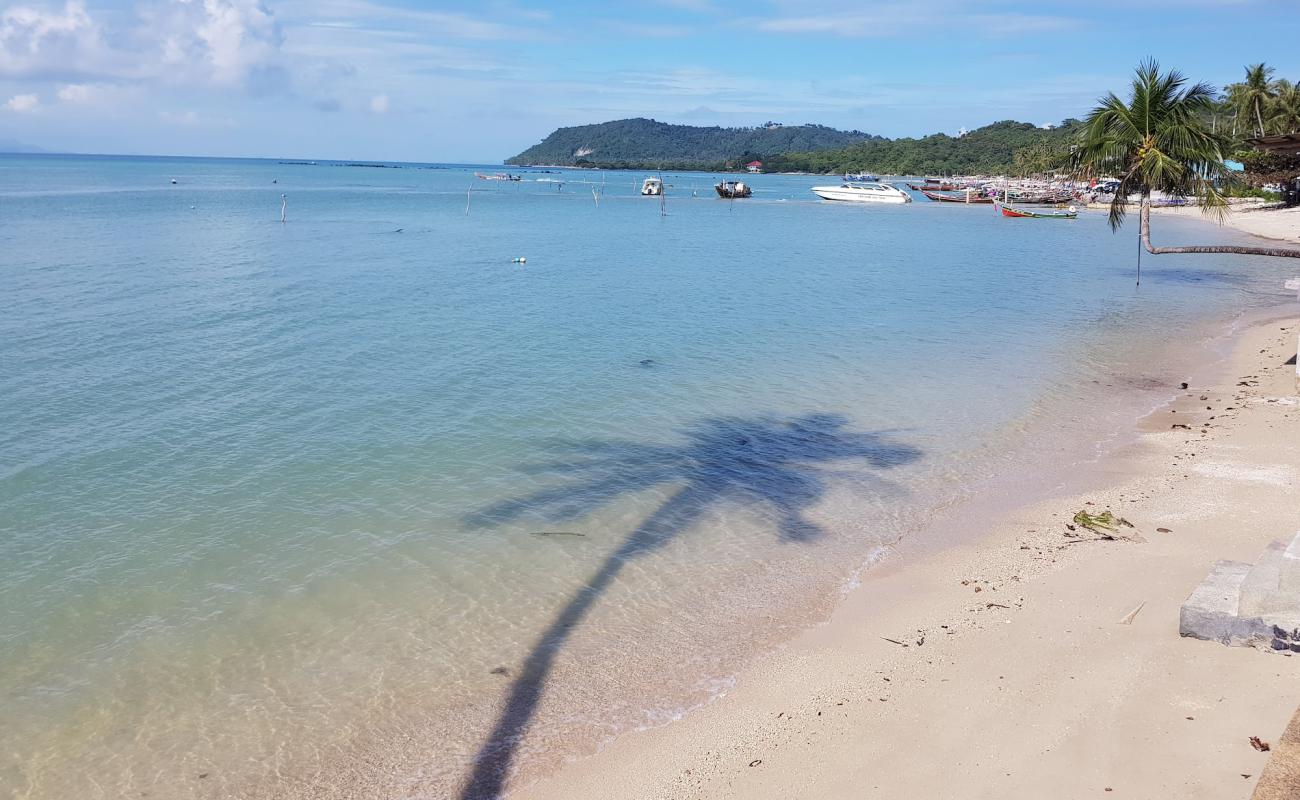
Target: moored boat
(652, 187)
(967, 196)
(863, 193)
(732, 190)
(1011, 211)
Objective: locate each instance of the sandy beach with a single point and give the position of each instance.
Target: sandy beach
(1001, 652)
(1248, 217)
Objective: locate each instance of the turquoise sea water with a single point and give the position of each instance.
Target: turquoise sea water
(354, 500)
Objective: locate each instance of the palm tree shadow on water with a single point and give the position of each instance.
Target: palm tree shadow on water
(775, 462)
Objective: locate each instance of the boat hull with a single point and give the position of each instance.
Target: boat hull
(1020, 213)
(970, 198)
(846, 194)
(732, 194)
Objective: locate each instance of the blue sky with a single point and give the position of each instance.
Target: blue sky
(478, 82)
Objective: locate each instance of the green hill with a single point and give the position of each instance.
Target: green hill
(1003, 147)
(644, 143)
(1006, 147)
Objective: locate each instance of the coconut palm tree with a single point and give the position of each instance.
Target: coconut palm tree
(1158, 141)
(1233, 98)
(1285, 109)
(1257, 93)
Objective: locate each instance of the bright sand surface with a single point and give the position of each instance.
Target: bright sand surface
(1247, 217)
(995, 664)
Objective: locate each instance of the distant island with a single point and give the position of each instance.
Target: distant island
(15, 146)
(647, 144)
(1002, 147)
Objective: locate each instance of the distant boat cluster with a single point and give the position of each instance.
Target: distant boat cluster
(1006, 195)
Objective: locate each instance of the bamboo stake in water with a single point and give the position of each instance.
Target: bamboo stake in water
(1139, 273)
(284, 201)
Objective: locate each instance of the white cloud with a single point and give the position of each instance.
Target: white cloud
(365, 14)
(219, 42)
(193, 119)
(36, 43)
(891, 18)
(224, 42)
(379, 104)
(20, 103)
(77, 93)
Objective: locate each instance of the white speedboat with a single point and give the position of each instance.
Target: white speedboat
(863, 193)
(652, 187)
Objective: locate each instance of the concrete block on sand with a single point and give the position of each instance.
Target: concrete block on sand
(1210, 612)
(1280, 779)
(1253, 605)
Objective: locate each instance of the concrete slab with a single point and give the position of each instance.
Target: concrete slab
(1210, 612)
(1251, 605)
(1260, 587)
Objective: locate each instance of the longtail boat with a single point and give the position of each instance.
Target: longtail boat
(1047, 197)
(970, 196)
(1010, 211)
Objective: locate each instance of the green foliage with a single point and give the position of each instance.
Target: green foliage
(1156, 141)
(1105, 523)
(1264, 168)
(1260, 105)
(1241, 190)
(988, 150)
(645, 143)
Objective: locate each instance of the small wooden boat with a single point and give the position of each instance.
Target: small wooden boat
(500, 176)
(1011, 211)
(968, 196)
(1040, 197)
(732, 190)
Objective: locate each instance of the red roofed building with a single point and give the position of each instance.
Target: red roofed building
(754, 166)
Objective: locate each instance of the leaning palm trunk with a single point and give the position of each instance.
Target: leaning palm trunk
(1279, 252)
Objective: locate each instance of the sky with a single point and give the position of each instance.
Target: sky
(477, 82)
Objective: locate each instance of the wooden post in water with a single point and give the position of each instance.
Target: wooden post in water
(284, 202)
(1139, 275)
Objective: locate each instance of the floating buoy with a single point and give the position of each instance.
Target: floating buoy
(520, 260)
(174, 181)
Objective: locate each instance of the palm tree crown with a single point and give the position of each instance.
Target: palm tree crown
(1257, 94)
(1159, 141)
(1285, 109)
(1156, 142)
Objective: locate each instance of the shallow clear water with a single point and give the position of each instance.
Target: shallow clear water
(272, 495)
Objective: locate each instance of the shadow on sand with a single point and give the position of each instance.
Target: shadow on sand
(776, 462)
